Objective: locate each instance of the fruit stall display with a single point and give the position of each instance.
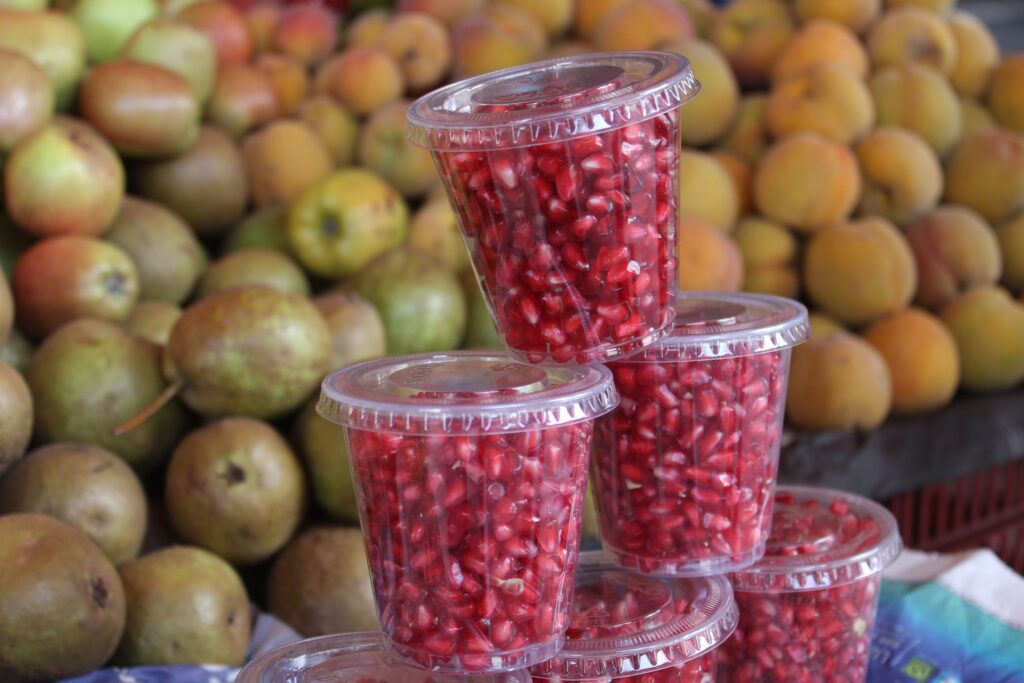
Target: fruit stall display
(207, 206)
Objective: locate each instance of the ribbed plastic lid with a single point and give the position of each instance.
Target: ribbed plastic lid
(555, 100)
(625, 624)
(348, 658)
(729, 324)
(464, 392)
(822, 538)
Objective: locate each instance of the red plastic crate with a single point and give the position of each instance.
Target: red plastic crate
(982, 509)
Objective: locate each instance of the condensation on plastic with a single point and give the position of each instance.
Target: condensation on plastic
(829, 564)
(554, 100)
(349, 658)
(715, 325)
(668, 637)
(463, 392)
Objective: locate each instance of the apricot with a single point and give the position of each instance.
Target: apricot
(703, 14)
(365, 79)
(912, 35)
(918, 98)
(420, 46)
(742, 175)
(367, 28)
(435, 230)
(823, 325)
(975, 117)
(706, 118)
(383, 148)
(261, 19)
(307, 33)
(938, 6)
(282, 159)
(554, 15)
(922, 359)
(807, 182)
(496, 38)
(752, 34)
(825, 98)
(769, 252)
(955, 250)
(748, 138)
(450, 12)
(988, 326)
(643, 25)
(590, 13)
(838, 381)
(288, 79)
(855, 15)
(224, 25)
(1011, 245)
(567, 48)
(708, 259)
(860, 271)
(1006, 92)
(706, 191)
(901, 176)
(337, 129)
(243, 98)
(821, 41)
(986, 173)
(977, 54)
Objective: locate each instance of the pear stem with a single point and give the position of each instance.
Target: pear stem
(149, 411)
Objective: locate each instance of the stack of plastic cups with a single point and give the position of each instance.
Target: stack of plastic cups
(470, 468)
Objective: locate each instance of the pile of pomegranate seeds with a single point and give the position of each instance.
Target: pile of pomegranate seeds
(574, 242)
(685, 467)
(473, 540)
(809, 636)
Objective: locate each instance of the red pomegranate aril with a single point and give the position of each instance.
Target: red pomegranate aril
(533, 548)
(576, 184)
(682, 410)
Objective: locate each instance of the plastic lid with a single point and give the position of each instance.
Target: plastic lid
(626, 624)
(727, 325)
(348, 658)
(464, 392)
(822, 538)
(558, 99)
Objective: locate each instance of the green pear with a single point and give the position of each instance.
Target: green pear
(108, 24)
(52, 41)
(252, 267)
(176, 46)
(62, 606)
(15, 416)
(323, 448)
(89, 377)
(185, 606)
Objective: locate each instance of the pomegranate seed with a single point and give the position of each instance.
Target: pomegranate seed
(469, 569)
(684, 440)
(551, 210)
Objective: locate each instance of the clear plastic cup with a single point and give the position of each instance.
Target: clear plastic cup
(348, 658)
(633, 628)
(685, 468)
(807, 608)
(564, 178)
(470, 472)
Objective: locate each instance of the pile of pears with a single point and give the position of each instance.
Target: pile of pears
(176, 279)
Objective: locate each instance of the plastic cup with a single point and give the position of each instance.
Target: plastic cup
(348, 658)
(632, 628)
(564, 177)
(470, 472)
(807, 609)
(685, 468)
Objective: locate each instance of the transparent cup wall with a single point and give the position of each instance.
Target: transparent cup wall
(564, 178)
(473, 524)
(808, 608)
(685, 468)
